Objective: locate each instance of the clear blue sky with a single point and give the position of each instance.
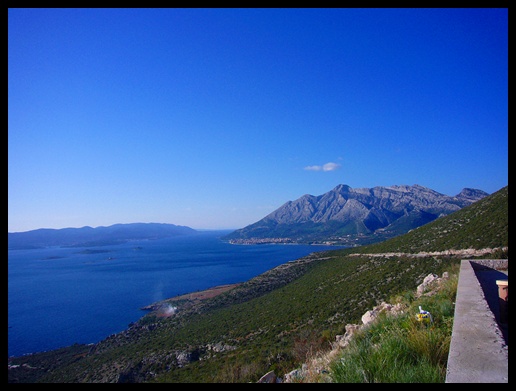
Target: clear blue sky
(213, 118)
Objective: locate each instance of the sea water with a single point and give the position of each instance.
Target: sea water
(58, 296)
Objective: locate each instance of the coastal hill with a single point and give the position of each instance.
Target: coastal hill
(274, 321)
(348, 216)
(99, 236)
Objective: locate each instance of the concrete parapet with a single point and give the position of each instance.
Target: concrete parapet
(497, 264)
(479, 353)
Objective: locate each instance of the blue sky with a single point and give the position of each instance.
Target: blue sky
(213, 118)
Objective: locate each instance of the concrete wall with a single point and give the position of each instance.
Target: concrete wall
(479, 350)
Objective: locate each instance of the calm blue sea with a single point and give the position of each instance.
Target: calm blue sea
(61, 296)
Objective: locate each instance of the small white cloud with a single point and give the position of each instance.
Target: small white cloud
(331, 166)
(313, 168)
(326, 167)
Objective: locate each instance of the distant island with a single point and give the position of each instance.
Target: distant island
(88, 236)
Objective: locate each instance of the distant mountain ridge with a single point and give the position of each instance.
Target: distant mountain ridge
(99, 236)
(354, 216)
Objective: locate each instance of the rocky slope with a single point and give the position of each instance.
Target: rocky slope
(354, 216)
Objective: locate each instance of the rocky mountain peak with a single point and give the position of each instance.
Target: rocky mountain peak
(342, 189)
(472, 195)
(346, 212)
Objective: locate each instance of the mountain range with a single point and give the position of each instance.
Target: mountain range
(354, 216)
(88, 236)
(277, 320)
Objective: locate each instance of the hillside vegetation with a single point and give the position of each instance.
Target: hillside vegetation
(277, 320)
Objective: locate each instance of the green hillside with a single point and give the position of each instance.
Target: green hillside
(276, 320)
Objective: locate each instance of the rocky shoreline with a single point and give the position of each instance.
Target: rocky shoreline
(262, 241)
(170, 306)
